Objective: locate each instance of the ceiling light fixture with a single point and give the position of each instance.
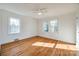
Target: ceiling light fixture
(40, 13)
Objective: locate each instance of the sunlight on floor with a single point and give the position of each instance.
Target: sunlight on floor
(43, 44)
(58, 46)
(66, 46)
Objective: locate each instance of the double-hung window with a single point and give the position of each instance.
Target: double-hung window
(45, 27)
(53, 26)
(14, 26)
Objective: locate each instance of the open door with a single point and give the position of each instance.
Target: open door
(77, 32)
(0, 32)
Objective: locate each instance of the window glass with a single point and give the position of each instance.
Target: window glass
(14, 25)
(53, 26)
(45, 27)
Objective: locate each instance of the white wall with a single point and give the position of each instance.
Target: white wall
(33, 27)
(0, 28)
(77, 30)
(66, 28)
(28, 27)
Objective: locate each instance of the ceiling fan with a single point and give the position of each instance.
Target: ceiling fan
(40, 11)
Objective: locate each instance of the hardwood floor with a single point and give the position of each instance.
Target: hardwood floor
(38, 46)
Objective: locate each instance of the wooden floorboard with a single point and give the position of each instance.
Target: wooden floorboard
(26, 48)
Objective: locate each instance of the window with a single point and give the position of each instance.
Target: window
(45, 27)
(14, 25)
(53, 26)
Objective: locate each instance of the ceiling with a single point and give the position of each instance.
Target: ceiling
(52, 9)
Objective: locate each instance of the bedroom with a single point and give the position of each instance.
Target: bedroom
(39, 29)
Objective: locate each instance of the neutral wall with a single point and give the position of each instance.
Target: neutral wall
(33, 27)
(28, 27)
(0, 28)
(77, 30)
(66, 28)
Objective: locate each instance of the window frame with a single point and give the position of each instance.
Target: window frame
(55, 29)
(9, 26)
(45, 25)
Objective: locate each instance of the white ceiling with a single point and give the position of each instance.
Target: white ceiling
(53, 9)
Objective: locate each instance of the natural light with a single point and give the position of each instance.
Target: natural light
(66, 46)
(58, 46)
(43, 44)
(14, 25)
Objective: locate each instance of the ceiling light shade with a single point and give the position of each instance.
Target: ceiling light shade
(39, 13)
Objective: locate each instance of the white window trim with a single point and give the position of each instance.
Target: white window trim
(9, 32)
(50, 26)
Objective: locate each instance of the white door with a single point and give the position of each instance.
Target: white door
(0, 29)
(77, 33)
